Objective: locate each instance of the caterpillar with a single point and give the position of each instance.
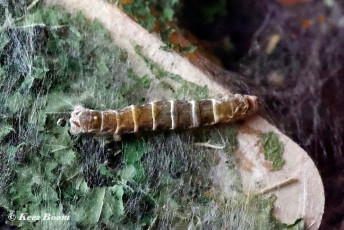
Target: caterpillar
(162, 115)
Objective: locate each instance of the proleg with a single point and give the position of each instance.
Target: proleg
(163, 115)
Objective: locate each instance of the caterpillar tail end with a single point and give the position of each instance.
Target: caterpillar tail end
(75, 124)
(253, 104)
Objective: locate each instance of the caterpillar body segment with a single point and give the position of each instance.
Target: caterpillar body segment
(163, 115)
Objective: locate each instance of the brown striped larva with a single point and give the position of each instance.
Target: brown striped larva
(162, 115)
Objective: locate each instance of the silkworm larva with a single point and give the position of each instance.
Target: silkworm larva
(162, 115)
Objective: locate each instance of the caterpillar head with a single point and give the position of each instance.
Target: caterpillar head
(84, 120)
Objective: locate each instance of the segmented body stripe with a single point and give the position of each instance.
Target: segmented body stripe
(153, 115)
(118, 120)
(173, 114)
(216, 117)
(134, 114)
(194, 116)
(102, 122)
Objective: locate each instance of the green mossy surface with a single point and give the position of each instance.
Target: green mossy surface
(50, 62)
(273, 150)
(158, 15)
(185, 91)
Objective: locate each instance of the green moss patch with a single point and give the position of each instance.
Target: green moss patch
(273, 150)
